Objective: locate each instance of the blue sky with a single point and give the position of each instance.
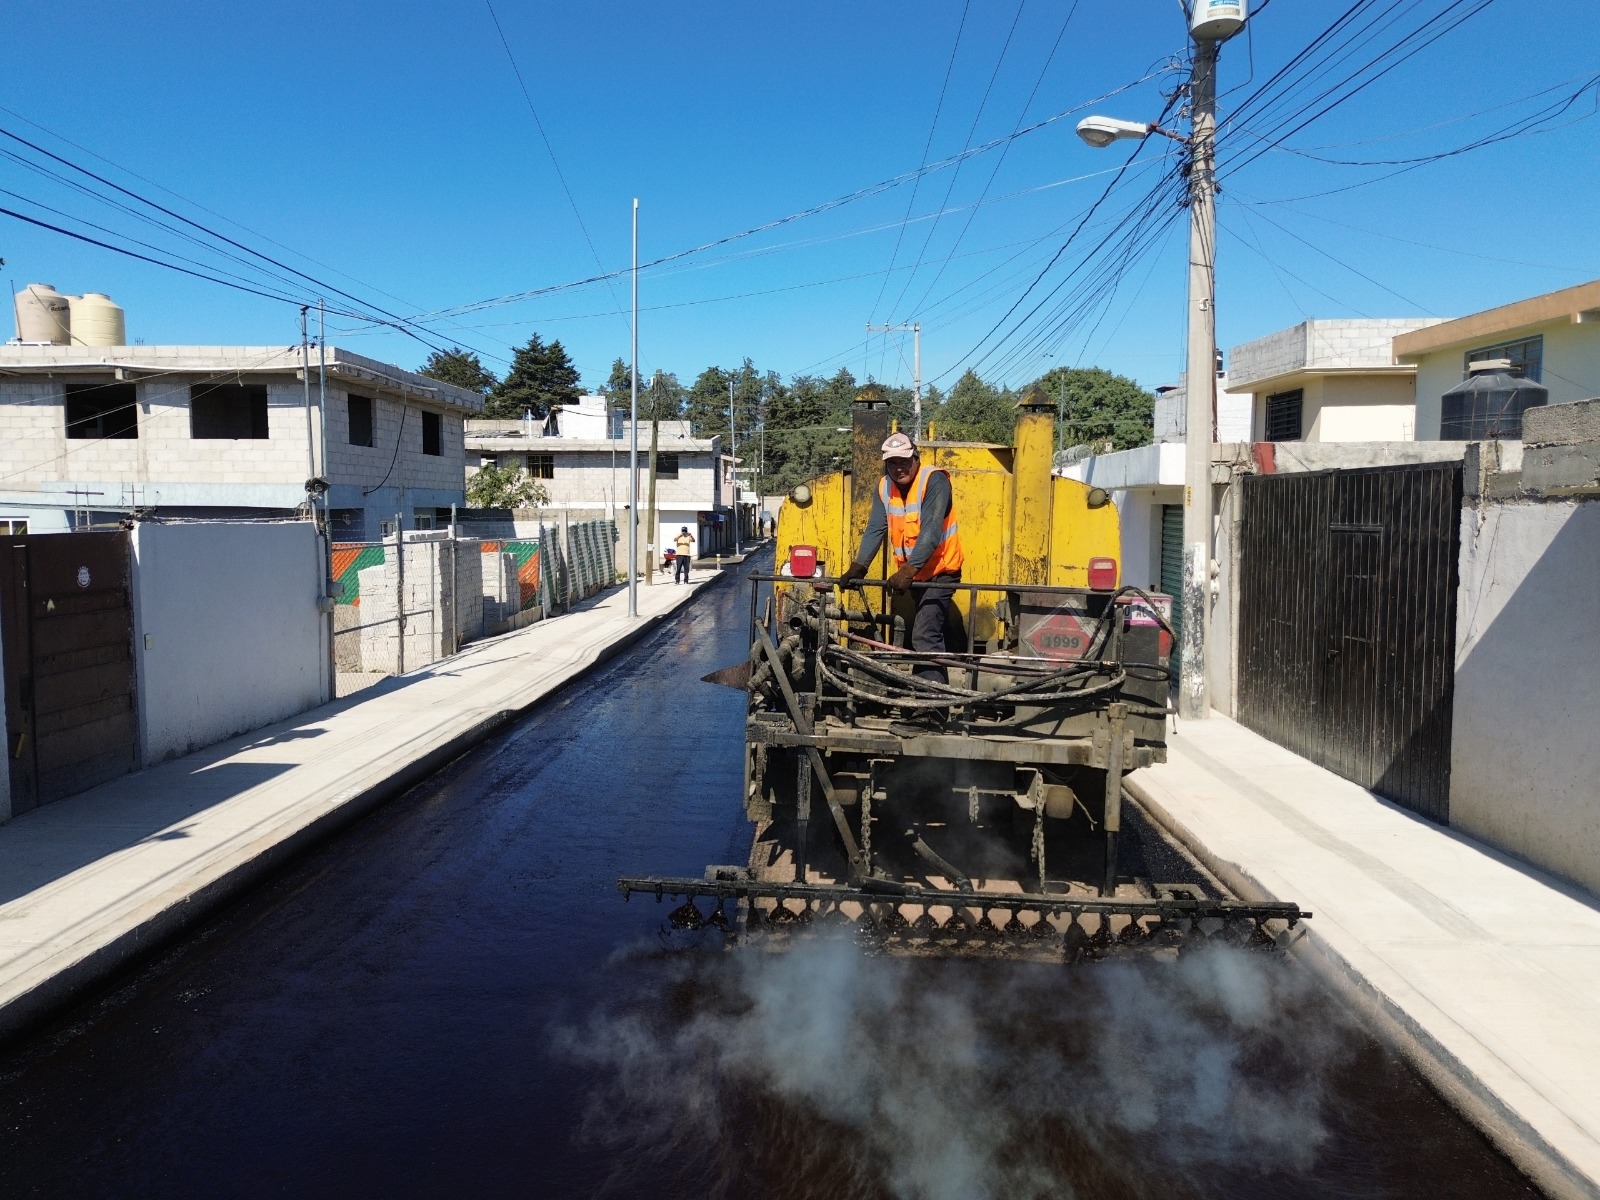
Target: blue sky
(387, 150)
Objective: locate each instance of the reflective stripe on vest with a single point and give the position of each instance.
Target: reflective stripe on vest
(905, 525)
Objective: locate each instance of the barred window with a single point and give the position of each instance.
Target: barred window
(542, 466)
(1283, 416)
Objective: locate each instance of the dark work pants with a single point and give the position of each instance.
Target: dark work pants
(680, 573)
(933, 615)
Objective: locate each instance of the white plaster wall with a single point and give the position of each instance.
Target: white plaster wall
(1571, 369)
(226, 630)
(1525, 758)
(1365, 408)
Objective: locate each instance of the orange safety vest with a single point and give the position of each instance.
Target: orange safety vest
(905, 525)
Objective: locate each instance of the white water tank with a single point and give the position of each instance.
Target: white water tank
(1216, 20)
(43, 315)
(96, 321)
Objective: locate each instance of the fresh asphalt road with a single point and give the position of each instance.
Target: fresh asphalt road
(451, 999)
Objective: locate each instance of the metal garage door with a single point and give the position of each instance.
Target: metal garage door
(1172, 563)
(69, 669)
(1347, 623)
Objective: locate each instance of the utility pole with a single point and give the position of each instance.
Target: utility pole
(1061, 414)
(654, 526)
(733, 434)
(633, 434)
(1200, 385)
(915, 329)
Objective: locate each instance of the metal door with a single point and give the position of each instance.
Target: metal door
(68, 625)
(1172, 562)
(1347, 623)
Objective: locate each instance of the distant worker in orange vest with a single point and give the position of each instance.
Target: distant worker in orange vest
(914, 511)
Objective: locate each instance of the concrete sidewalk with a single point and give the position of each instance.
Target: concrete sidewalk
(89, 882)
(1482, 970)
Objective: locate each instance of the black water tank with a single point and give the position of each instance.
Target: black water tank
(1488, 405)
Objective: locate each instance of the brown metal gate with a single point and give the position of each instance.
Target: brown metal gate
(1347, 623)
(67, 622)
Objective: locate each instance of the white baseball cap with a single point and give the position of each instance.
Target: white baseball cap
(898, 445)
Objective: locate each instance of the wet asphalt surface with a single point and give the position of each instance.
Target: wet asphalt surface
(450, 999)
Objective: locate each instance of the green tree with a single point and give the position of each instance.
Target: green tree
(661, 397)
(505, 487)
(542, 377)
(975, 412)
(619, 385)
(1099, 407)
(460, 367)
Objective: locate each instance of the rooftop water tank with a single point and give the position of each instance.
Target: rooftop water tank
(1216, 20)
(96, 321)
(1488, 404)
(43, 315)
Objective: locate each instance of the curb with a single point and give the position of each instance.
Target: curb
(175, 912)
(1547, 1168)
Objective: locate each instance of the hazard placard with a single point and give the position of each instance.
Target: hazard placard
(1061, 631)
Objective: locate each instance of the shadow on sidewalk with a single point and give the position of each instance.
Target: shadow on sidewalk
(51, 842)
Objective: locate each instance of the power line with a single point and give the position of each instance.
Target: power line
(955, 174)
(815, 210)
(400, 323)
(544, 137)
(1110, 187)
(1004, 151)
(927, 147)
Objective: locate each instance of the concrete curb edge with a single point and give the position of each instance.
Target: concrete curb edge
(1547, 1168)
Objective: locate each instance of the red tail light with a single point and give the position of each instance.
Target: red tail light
(802, 561)
(1102, 574)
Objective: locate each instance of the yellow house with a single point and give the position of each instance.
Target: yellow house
(1553, 339)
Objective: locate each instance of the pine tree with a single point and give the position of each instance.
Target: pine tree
(460, 367)
(541, 378)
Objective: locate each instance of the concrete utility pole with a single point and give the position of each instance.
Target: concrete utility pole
(916, 369)
(1200, 385)
(633, 434)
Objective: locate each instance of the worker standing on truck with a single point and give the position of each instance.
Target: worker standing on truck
(914, 510)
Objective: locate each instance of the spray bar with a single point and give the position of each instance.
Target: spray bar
(1173, 903)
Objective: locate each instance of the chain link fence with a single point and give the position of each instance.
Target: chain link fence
(402, 605)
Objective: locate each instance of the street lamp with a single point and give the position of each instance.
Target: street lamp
(1100, 132)
(1200, 380)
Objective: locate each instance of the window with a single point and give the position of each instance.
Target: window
(431, 440)
(13, 526)
(349, 524)
(1527, 357)
(359, 411)
(102, 410)
(666, 466)
(422, 519)
(226, 411)
(542, 466)
(1283, 416)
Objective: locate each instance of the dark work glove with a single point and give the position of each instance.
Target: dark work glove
(852, 573)
(902, 578)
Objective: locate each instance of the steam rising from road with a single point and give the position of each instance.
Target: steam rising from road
(949, 1080)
